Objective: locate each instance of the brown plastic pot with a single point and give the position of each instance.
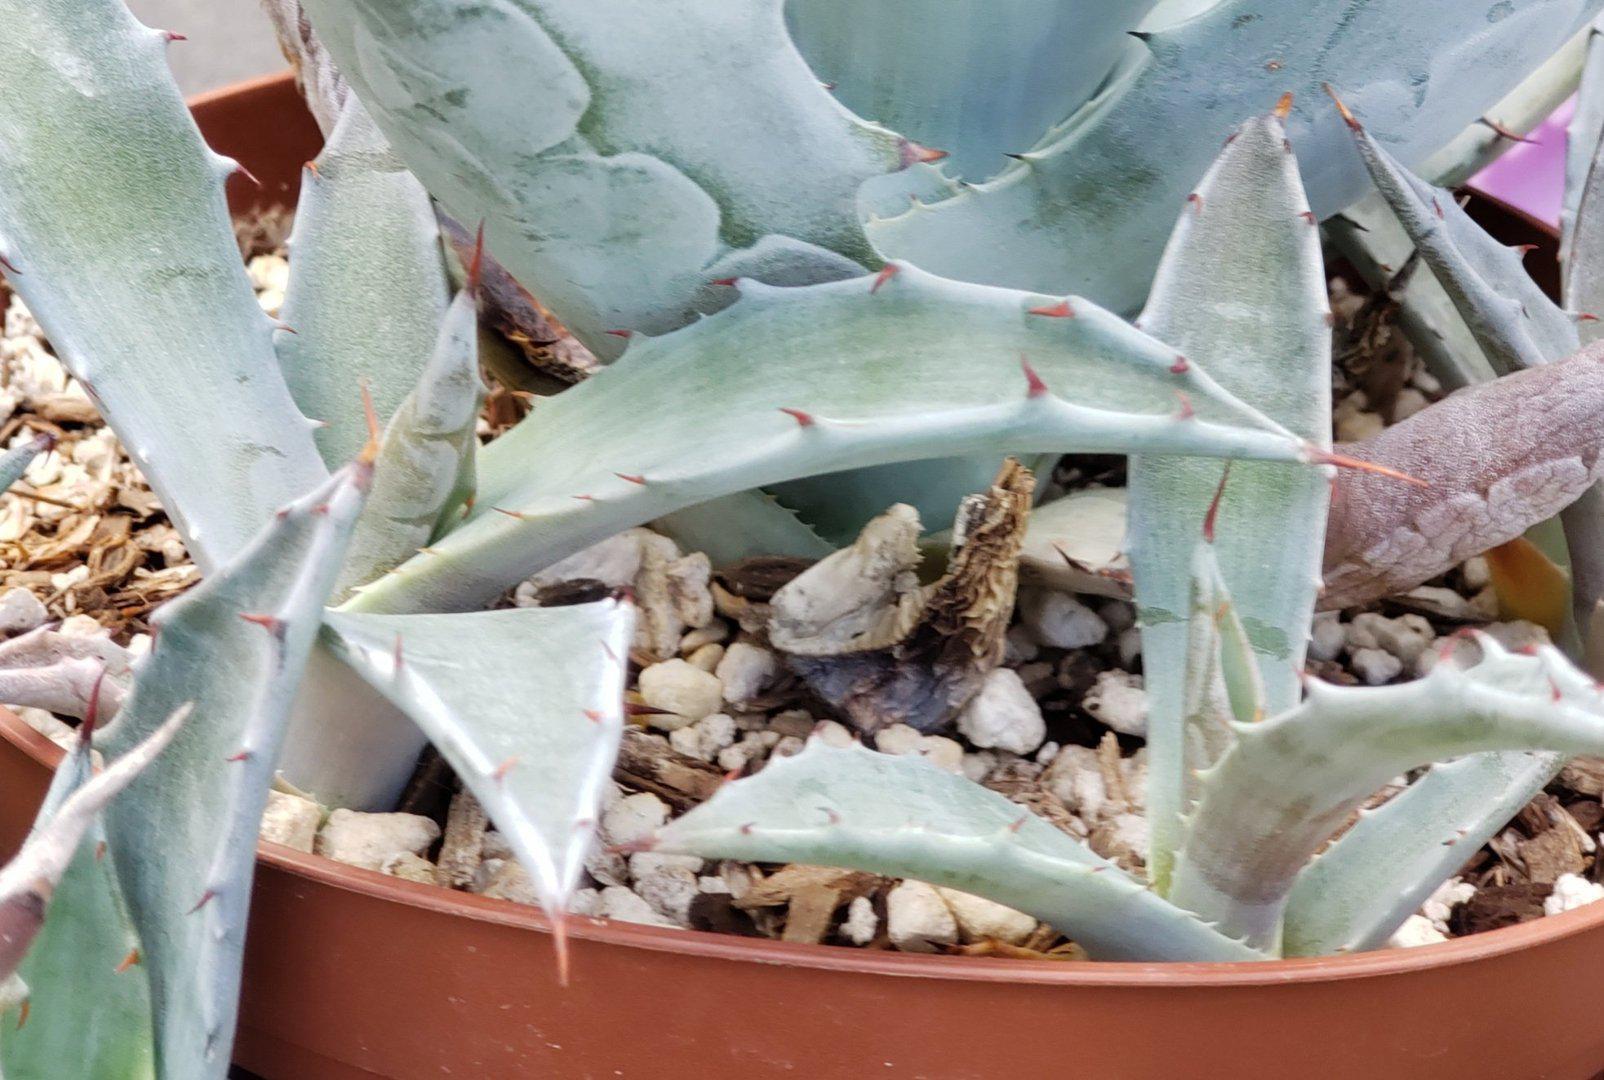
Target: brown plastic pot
(351, 974)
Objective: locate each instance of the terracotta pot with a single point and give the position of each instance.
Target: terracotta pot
(351, 974)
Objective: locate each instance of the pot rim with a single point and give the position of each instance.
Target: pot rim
(727, 947)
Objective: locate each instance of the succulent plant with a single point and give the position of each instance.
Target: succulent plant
(739, 249)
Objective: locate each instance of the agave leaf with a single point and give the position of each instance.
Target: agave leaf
(1495, 458)
(739, 526)
(112, 213)
(1286, 785)
(546, 120)
(367, 290)
(1077, 543)
(1582, 137)
(1221, 681)
(1486, 139)
(1077, 214)
(980, 80)
(88, 997)
(1370, 236)
(183, 836)
(27, 881)
(15, 462)
(424, 472)
(1517, 324)
(1359, 890)
(321, 85)
(900, 815)
(1241, 291)
(46, 669)
(525, 704)
(838, 505)
(858, 372)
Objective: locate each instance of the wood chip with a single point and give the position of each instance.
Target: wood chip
(648, 763)
(787, 882)
(462, 846)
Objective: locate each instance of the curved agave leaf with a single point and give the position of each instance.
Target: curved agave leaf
(1241, 290)
(1583, 136)
(88, 997)
(424, 471)
(978, 78)
(526, 705)
(900, 815)
(367, 291)
(742, 525)
(1286, 785)
(857, 372)
(1516, 323)
(1359, 890)
(1077, 214)
(546, 120)
(112, 214)
(183, 836)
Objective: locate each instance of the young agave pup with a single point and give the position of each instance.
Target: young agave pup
(704, 216)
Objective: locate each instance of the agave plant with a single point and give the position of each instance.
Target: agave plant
(683, 192)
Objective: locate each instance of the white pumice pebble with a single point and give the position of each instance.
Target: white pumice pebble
(1118, 700)
(918, 919)
(746, 671)
(1059, 620)
(1375, 666)
(1003, 715)
(684, 690)
(1571, 891)
(980, 919)
(1415, 931)
(368, 840)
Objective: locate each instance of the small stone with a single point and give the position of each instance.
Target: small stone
(614, 562)
(1439, 906)
(1375, 666)
(861, 923)
(705, 738)
(369, 840)
(1327, 636)
(832, 733)
(585, 902)
(1572, 891)
(708, 657)
(617, 902)
(290, 820)
(1019, 647)
(750, 752)
(980, 919)
(1059, 620)
(1122, 839)
(633, 818)
(1357, 426)
(898, 739)
(686, 691)
(792, 745)
(1415, 931)
(1118, 615)
(940, 751)
(1405, 637)
(667, 882)
(746, 671)
(978, 766)
(1408, 402)
(1130, 647)
(1003, 714)
(1476, 572)
(21, 611)
(1118, 700)
(1077, 780)
(1045, 755)
(410, 867)
(917, 919)
(689, 581)
(714, 633)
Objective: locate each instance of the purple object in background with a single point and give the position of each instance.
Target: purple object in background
(1531, 176)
